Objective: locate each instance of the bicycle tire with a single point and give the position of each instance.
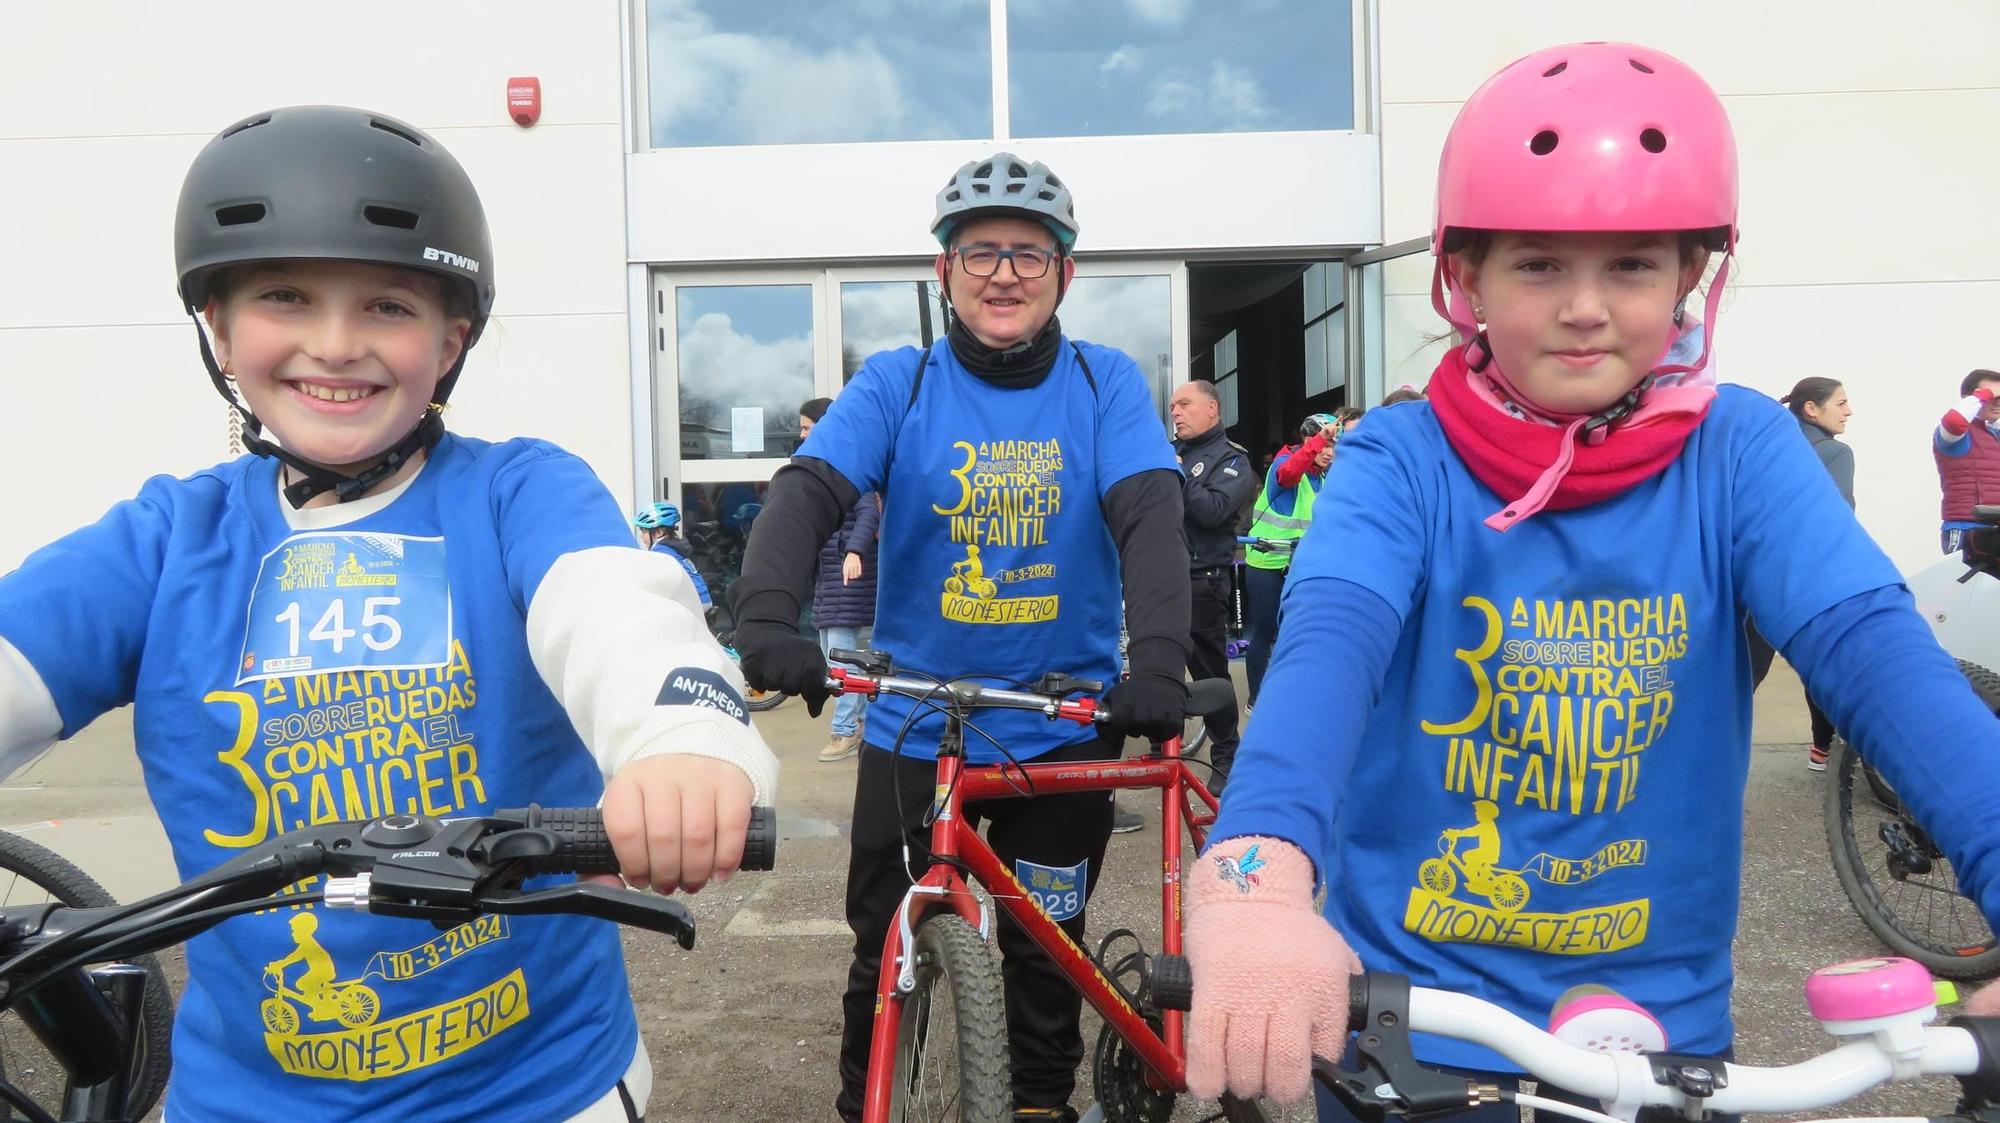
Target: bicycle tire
(948, 951)
(1904, 911)
(761, 700)
(62, 881)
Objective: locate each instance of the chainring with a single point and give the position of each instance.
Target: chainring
(1118, 1077)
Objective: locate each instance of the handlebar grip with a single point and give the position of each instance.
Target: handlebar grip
(760, 844)
(583, 847)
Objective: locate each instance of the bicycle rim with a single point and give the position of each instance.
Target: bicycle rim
(1919, 913)
(951, 1047)
(31, 874)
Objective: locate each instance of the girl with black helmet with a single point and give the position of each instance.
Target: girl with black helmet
(371, 616)
(1020, 472)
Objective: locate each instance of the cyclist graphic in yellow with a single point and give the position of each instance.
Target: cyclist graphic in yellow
(967, 574)
(1506, 889)
(353, 1004)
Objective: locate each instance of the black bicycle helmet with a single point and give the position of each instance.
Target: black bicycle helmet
(330, 182)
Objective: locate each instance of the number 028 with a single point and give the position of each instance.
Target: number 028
(332, 625)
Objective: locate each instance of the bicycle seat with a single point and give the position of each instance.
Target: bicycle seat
(1210, 696)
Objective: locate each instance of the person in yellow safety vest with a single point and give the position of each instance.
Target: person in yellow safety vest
(1277, 521)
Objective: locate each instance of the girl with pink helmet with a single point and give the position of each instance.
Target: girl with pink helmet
(1507, 725)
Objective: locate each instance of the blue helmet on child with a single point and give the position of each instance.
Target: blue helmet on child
(657, 516)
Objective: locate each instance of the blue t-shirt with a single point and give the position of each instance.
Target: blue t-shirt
(284, 678)
(1550, 789)
(995, 560)
(694, 575)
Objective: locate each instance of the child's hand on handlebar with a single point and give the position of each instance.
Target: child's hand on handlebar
(677, 821)
(1270, 974)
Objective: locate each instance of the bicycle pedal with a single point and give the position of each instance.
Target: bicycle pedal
(1604, 1021)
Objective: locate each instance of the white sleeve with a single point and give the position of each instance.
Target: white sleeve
(619, 636)
(29, 720)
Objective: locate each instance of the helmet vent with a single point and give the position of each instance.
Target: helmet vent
(1639, 66)
(242, 125)
(1016, 171)
(390, 216)
(1653, 140)
(239, 214)
(1555, 70)
(394, 130)
(1544, 142)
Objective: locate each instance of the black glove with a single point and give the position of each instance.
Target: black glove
(1152, 700)
(778, 658)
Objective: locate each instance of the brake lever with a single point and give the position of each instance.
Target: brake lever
(1387, 1074)
(588, 898)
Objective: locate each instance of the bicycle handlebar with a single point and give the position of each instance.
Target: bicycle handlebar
(1049, 695)
(1384, 1009)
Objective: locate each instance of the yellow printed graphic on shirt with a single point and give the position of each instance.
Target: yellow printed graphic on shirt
(318, 1025)
(312, 749)
(1006, 493)
(1568, 695)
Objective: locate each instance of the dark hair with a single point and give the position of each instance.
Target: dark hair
(1402, 394)
(1205, 388)
(1815, 390)
(1971, 381)
(1348, 415)
(814, 410)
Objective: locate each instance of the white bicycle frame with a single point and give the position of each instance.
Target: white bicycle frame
(1961, 614)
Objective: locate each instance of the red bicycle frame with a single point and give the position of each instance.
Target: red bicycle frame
(1185, 801)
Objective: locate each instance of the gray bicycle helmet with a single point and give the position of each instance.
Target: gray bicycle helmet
(330, 182)
(1005, 184)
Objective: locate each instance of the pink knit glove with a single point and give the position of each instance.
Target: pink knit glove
(1270, 974)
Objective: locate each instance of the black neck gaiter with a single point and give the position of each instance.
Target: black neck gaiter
(1019, 367)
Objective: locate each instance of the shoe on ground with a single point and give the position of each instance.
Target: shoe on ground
(1816, 758)
(1125, 822)
(840, 747)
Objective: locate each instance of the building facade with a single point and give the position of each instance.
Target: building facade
(724, 208)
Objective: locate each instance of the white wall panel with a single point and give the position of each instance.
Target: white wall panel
(1439, 50)
(142, 67)
(1134, 194)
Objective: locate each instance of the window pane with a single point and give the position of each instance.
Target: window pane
(1316, 372)
(717, 518)
(1335, 327)
(880, 315)
(1178, 66)
(745, 359)
(1226, 390)
(1225, 355)
(1318, 300)
(814, 71)
(1133, 314)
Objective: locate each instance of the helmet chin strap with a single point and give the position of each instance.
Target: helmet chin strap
(315, 479)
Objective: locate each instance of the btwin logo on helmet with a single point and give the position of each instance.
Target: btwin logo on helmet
(432, 253)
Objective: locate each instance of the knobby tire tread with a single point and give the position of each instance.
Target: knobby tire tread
(979, 1007)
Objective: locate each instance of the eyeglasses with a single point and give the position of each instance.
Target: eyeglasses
(984, 261)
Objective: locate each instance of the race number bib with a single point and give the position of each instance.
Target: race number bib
(340, 601)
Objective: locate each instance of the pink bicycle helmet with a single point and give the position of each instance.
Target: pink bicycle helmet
(1586, 136)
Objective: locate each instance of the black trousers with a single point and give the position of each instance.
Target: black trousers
(1058, 831)
(1761, 654)
(1208, 657)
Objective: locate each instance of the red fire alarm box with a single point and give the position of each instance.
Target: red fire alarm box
(524, 100)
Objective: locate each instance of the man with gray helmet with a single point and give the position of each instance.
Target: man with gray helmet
(1036, 464)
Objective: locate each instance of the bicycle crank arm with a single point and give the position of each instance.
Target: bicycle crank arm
(588, 898)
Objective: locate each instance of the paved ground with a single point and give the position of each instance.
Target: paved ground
(744, 1027)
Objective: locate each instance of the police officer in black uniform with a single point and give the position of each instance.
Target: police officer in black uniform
(1217, 485)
